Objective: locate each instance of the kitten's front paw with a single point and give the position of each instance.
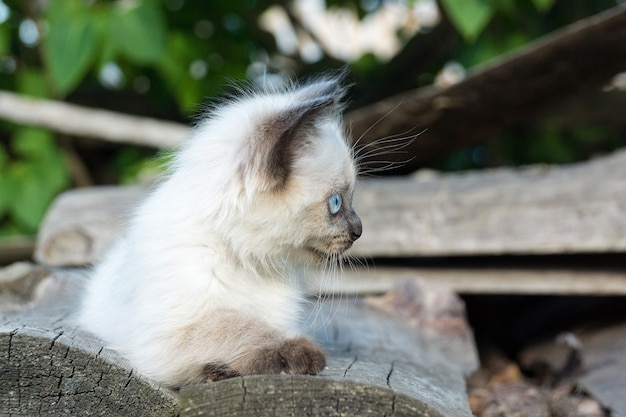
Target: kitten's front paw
(293, 356)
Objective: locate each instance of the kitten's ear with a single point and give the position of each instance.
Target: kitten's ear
(283, 134)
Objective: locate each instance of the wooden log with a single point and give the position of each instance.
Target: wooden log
(405, 354)
(49, 368)
(535, 210)
(583, 56)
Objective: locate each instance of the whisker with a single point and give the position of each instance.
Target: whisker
(395, 138)
(383, 117)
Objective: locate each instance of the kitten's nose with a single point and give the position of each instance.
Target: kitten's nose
(355, 225)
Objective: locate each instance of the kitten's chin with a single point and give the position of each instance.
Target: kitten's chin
(315, 255)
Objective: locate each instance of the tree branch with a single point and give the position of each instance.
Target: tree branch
(93, 123)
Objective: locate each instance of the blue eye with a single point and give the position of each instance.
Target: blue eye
(334, 203)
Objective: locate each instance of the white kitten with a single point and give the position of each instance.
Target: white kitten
(205, 283)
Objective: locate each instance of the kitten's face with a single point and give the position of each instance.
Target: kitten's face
(293, 174)
(328, 219)
(313, 213)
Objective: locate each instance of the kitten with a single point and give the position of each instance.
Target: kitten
(206, 283)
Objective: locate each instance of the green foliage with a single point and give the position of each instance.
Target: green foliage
(471, 17)
(138, 31)
(171, 55)
(30, 181)
(71, 43)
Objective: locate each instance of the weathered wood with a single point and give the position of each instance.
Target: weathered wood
(405, 354)
(535, 210)
(16, 249)
(486, 280)
(580, 57)
(603, 369)
(82, 223)
(48, 368)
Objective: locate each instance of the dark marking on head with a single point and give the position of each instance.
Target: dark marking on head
(284, 135)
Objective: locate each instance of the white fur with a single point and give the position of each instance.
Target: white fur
(207, 243)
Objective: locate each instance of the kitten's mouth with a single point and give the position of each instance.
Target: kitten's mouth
(334, 251)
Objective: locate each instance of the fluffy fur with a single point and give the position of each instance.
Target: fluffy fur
(206, 282)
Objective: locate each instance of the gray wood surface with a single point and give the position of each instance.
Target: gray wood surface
(48, 368)
(405, 353)
(576, 208)
(564, 280)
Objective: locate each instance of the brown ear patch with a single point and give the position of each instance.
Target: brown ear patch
(280, 138)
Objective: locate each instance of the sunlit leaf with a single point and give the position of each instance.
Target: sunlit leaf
(70, 44)
(138, 31)
(543, 5)
(30, 196)
(470, 17)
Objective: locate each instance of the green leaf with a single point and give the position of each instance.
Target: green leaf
(34, 180)
(138, 31)
(174, 69)
(5, 192)
(32, 82)
(543, 5)
(30, 197)
(32, 143)
(38, 146)
(70, 45)
(470, 17)
(5, 184)
(4, 39)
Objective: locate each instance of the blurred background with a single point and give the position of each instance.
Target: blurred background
(165, 58)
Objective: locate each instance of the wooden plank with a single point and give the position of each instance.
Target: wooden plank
(82, 224)
(406, 353)
(576, 208)
(485, 280)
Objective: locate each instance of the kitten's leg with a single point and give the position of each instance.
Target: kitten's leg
(252, 347)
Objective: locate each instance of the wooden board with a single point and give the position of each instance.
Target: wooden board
(406, 353)
(485, 280)
(577, 208)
